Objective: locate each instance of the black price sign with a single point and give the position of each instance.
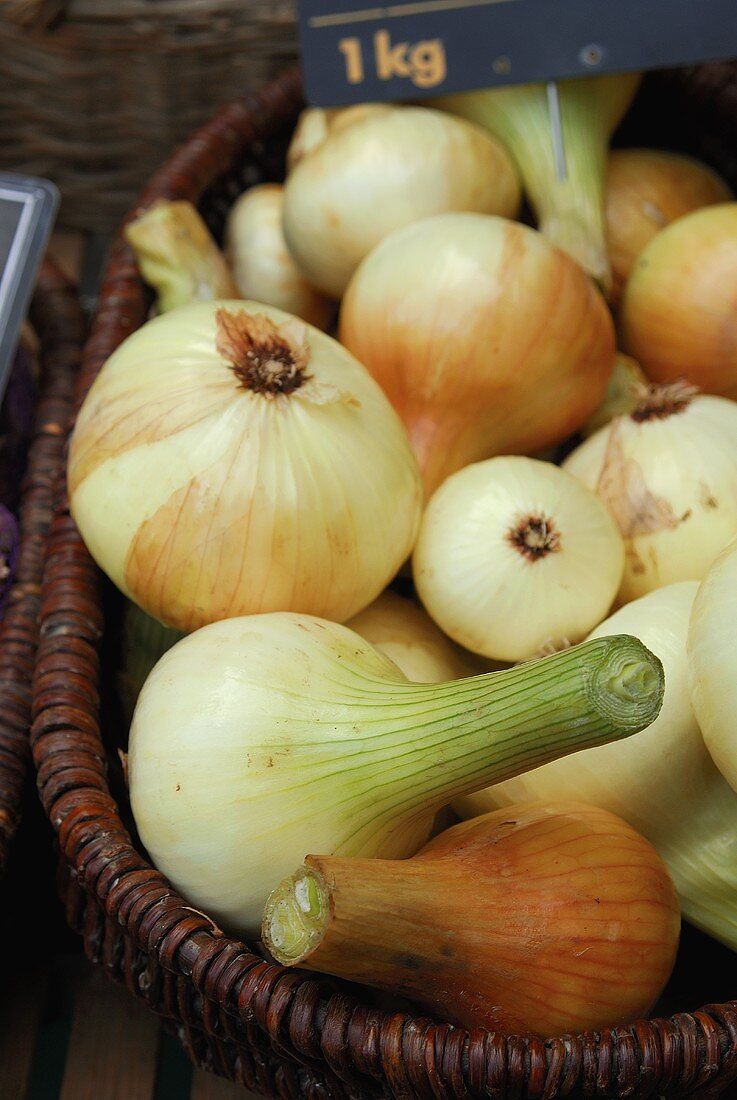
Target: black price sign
(27, 210)
(353, 52)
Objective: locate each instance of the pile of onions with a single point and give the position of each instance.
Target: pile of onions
(377, 170)
(667, 472)
(230, 459)
(662, 781)
(678, 309)
(545, 918)
(645, 191)
(485, 338)
(514, 555)
(258, 739)
(262, 265)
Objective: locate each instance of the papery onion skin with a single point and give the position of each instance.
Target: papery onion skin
(713, 662)
(662, 780)
(263, 268)
(513, 554)
(383, 170)
(202, 499)
(409, 637)
(315, 124)
(485, 338)
(678, 315)
(257, 738)
(545, 918)
(670, 481)
(646, 190)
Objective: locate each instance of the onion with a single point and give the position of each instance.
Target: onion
(380, 170)
(261, 263)
(567, 198)
(230, 459)
(257, 739)
(544, 918)
(645, 191)
(408, 636)
(668, 474)
(486, 340)
(515, 554)
(678, 309)
(662, 781)
(177, 256)
(316, 123)
(713, 663)
(622, 395)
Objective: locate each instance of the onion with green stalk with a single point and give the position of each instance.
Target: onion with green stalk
(564, 180)
(258, 739)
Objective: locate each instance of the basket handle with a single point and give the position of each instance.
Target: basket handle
(34, 14)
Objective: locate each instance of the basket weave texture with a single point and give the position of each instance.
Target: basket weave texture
(58, 320)
(95, 93)
(277, 1031)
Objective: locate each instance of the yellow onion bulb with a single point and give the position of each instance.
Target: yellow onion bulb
(408, 636)
(667, 472)
(486, 339)
(646, 190)
(678, 315)
(380, 170)
(515, 555)
(261, 263)
(230, 459)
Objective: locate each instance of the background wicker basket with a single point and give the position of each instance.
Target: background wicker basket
(94, 93)
(57, 319)
(280, 1032)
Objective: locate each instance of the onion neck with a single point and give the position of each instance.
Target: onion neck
(453, 738)
(658, 402)
(265, 358)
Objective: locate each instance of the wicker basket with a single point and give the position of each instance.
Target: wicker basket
(95, 93)
(58, 321)
(280, 1032)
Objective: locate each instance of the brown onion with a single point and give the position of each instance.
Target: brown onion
(543, 917)
(679, 311)
(646, 190)
(486, 339)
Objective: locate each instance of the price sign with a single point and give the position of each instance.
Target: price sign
(27, 210)
(353, 52)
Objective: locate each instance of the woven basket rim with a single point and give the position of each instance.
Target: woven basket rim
(305, 1020)
(59, 325)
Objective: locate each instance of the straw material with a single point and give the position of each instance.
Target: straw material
(58, 321)
(95, 93)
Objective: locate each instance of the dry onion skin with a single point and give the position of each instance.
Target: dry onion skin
(668, 474)
(646, 190)
(486, 339)
(380, 170)
(662, 781)
(548, 918)
(678, 311)
(230, 459)
(713, 662)
(263, 268)
(514, 555)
